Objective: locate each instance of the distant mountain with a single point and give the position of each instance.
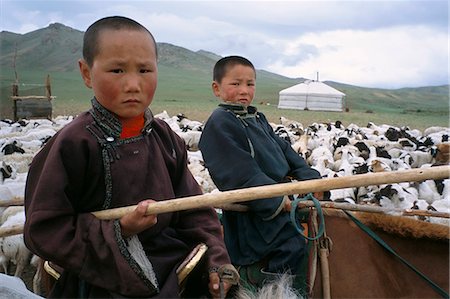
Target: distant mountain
(183, 74)
(58, 48)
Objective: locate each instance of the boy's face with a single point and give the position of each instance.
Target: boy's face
(124, 72)
(237, 86)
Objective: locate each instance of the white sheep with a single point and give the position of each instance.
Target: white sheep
(199, 171)
(420, 158)
(320, 151)
(191, 138)
(300, 146)
(12, 248)
(435, 129)
(428, 191)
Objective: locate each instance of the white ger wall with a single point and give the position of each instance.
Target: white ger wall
(312, 102)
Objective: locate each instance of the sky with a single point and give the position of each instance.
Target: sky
(382, 44)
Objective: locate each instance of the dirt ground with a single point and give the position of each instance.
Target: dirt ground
(27, 277)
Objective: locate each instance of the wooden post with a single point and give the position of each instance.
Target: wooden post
(15, 87)
(15, 93)
(48, 89)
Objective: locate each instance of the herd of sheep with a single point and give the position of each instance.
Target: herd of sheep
(334, 149)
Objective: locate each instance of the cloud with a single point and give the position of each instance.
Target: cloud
(394, 57)
(368, 43)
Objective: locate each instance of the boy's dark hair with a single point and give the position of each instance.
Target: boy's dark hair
(90, 39)
(221, 66)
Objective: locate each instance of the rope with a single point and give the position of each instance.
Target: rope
(298, 226)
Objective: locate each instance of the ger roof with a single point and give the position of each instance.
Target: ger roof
(311, 87)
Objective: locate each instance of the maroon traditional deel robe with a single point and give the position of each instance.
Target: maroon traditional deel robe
(86, 167)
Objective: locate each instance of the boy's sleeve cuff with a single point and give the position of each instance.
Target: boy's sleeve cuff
(279, 209)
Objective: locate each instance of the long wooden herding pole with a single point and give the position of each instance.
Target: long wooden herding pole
(247, 194)
(302, 187)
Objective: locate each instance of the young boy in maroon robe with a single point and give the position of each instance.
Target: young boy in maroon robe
(114, 155)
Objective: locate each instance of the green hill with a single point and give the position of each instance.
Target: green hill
(184, 83)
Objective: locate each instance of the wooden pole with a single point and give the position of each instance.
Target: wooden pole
(15, 229)
(374, 209)
(253, 193)
(302, 187)
(16, 201)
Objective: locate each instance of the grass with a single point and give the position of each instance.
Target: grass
(179, 92)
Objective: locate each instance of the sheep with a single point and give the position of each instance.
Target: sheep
(396, 152)
(191, 138)
(6, 171)
(353, 154)
(435, 129)
(324, 168)
(401, 148)
(20, 162)
(187, 123)
(378, 165)
(300, 146)
(402, 198)
(343, 195)
(12, 248)
(13, 147)
(173, 124)
(284, 133)
(439, 137)
(39, 133)
(420, 158)
(428, 191)
(163, 115)
(197, 167)
(11, 129)
(378, 130)
(442, 205)
(407, 144)
(399, 164)
(345, 164)
(290, 123)
(320, 151)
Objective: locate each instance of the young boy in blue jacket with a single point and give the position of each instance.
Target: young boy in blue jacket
(241, 150)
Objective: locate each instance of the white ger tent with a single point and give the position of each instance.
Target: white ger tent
(311, 95)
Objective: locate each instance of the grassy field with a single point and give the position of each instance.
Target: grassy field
(193, 97)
